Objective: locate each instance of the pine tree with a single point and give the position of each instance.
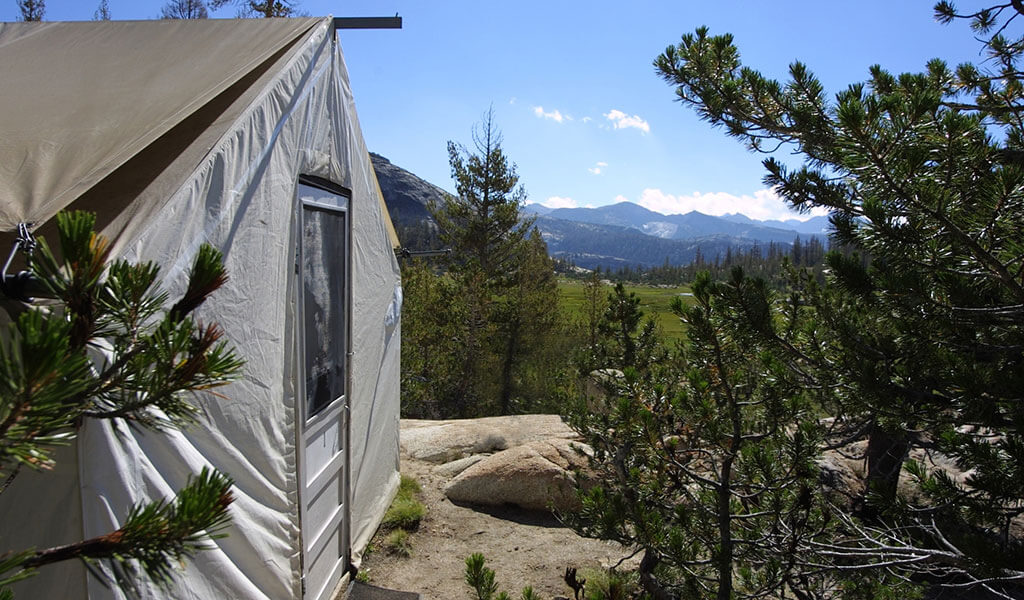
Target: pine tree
(922, 331)
(629, 340)
(32, 10)
(157, 358)
(483, 227)
(434, 348)
(527, 322)
(595, 302)
(102, 11)
(706, 464)
(482, 223)
(184, 9)
(264, 9)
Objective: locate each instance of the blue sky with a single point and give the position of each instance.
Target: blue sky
(584, 116)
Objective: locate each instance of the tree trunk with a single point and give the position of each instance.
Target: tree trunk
(647, 579)
(886, 452)
(724, 559)
(511, 350)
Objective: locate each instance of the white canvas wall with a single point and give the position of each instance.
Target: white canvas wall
(241, 199)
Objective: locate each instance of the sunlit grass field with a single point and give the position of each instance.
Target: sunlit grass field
(654, 301)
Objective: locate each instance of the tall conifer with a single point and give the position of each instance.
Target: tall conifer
(920, 334)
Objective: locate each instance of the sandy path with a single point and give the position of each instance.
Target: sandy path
(524, 548)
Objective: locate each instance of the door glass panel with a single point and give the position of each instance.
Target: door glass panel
(324, 303)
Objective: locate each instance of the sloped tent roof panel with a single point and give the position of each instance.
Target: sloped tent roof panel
(77, 105)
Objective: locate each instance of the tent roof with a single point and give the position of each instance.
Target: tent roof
(81, 99)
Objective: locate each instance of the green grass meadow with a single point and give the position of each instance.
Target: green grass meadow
(654, 301)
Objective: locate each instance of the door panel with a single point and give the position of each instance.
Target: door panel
(324, 310)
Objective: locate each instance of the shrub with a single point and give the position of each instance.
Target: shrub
(405, 511)
(398, 543)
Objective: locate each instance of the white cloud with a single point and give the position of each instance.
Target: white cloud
(586, 119)
(513, 100)
(596, 169)
(554, 115)
(763, 205)
(621, 120)
(557, 202)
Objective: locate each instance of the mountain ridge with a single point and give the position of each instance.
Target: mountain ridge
(688, 225)
(622, 234)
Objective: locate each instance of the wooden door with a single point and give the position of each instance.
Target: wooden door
(324, 333)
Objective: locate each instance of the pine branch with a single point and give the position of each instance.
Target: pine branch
(157, 535)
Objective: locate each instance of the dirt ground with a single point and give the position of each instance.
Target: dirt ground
(523, 548)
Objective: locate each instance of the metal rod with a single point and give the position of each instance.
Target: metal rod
(406, 253)
(394, 22)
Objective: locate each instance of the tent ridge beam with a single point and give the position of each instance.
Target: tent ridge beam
(394, 22)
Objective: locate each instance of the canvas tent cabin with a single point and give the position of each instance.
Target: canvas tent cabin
(243, 134)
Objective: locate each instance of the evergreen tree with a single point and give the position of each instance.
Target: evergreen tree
(157, 358)
(482, 223)
(482, 332)
(595, 302)
(32, 10)
(707, 465)
(102, 11)
(925, 335)
(434, 330)
(627, 343)
(527, 321)
(184, 9)
(488, 241)
(263, 9)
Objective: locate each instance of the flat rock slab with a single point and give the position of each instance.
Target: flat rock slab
(453, 468)
(445, 441)
(536, 475)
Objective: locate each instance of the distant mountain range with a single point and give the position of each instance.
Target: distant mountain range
(687, 226)
(623, 234)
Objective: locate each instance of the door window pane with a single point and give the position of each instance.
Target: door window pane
(324, 304)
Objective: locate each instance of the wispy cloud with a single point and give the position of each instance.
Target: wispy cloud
(598, 168)
(621, 120)
(554, 115)
(763, 204)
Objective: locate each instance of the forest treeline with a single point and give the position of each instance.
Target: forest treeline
(772, 263)
(712, 457)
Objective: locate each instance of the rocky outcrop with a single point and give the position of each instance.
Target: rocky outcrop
(536, 475)
(405, 194)
(524, 460)
(445, 441)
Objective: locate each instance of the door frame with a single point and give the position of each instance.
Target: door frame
(308, 426)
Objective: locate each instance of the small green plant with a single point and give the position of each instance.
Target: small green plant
(481, 579)
(408, 486)
(609, 584)
(402, 517)
(405, 511)
(363, 576)
(398, 543)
